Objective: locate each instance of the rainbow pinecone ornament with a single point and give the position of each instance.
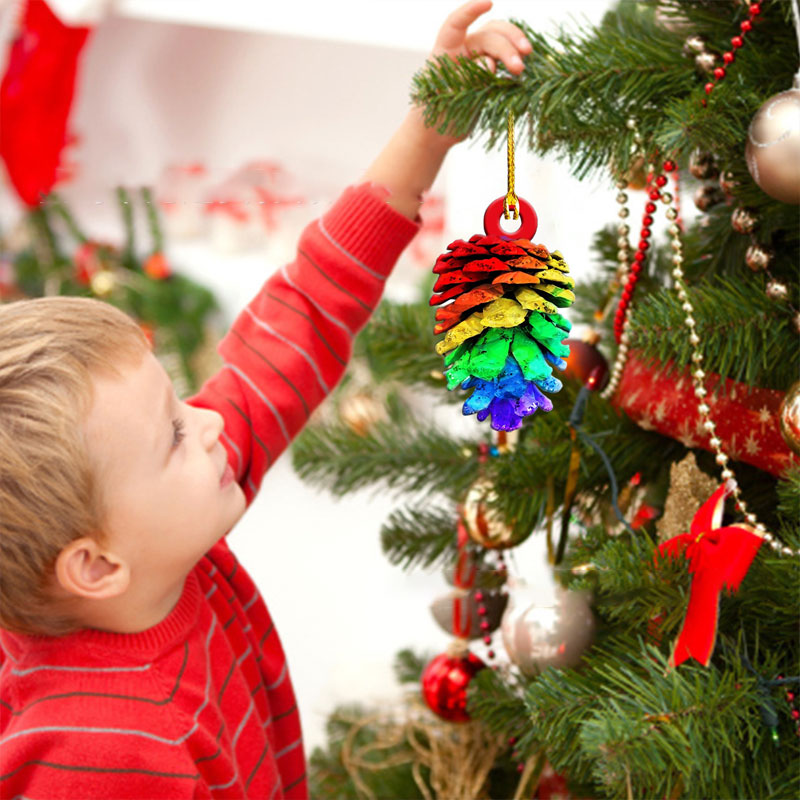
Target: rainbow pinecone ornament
(499, 301)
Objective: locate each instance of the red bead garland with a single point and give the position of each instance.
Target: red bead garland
(753, 10)
(635, 269)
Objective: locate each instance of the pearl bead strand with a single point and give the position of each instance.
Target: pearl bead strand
(698, 377)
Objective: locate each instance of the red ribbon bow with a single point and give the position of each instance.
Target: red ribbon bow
(718, 559)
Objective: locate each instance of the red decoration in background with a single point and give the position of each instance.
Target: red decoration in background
(35, 100)
(157, 267)
(746, 418)
(444, 684)
(585, 361)
(718, 559)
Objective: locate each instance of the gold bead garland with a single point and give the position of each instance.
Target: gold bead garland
(698, 376)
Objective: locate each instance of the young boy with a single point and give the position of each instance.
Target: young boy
(139, 660)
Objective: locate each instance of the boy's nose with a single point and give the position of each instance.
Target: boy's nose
(214, 425)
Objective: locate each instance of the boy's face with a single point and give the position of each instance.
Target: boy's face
(166, 505)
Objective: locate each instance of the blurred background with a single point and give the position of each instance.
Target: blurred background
(246, 119)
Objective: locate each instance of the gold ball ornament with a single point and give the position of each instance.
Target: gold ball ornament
(757, 257)
(103, 282)
(773, 147)
(484, 525)
(743, 220)
(361, 412)
(789, 418)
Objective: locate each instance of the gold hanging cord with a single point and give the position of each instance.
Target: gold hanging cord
(511, 203)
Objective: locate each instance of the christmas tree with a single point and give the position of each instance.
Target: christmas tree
(667, 486)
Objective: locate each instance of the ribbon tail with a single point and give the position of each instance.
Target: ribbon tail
(698, 633)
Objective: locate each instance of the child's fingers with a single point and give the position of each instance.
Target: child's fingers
(489, 42)
(512, 33)
(453, 31)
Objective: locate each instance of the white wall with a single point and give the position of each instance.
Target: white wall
(152, 93)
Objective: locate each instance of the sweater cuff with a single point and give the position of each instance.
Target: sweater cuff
(363, 223)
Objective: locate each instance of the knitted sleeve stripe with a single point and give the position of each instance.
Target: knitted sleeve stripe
(289, 347)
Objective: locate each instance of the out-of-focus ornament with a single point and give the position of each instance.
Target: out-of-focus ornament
(689, 488)
(157, 267)
(703, 165)
(584, 359)
(458, 612)
(773, 147)
(635, 175)
(727, 182)
(445, 681)
(706, 61)
(757, 257)
(87, 262)
(777, 290)
(247, 204)
(743, 220)
(550, 633)
(102, 283)
(789, 416)
(708, 196)
(484, 525)
(361, 412)
(694, 44)
(551, 785)
(796, 321)
(180, 189)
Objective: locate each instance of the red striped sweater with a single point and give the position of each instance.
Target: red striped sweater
(201, 705)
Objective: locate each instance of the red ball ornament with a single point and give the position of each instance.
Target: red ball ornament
(737, 42)
(444, 685)
(755, 9)
(728, 57)
(719, 73)
(654, 195)
(669, 166)
(650, 208)
(584, 358)
(709, 88)
(746, 26)
(661, 180)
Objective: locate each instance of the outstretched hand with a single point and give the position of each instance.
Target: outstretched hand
(408, 165)
(495, 41)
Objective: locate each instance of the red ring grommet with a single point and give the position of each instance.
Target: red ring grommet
(528, 221)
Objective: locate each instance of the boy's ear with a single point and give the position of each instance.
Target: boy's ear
(85, 569)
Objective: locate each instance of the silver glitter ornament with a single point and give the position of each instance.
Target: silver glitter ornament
(777, 290)
(546, 633)
(757, 257)
(706, 61)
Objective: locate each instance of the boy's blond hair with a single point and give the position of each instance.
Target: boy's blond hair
(50, 348)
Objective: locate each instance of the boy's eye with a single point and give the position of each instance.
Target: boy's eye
(178, 426)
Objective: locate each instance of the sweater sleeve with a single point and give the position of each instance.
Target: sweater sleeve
(290, 345)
